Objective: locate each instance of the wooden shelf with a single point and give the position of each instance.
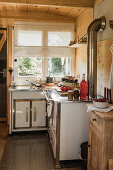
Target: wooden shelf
(78, 42)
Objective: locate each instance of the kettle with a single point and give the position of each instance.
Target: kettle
(50, 79)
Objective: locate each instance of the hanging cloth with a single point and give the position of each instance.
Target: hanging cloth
(110, 85)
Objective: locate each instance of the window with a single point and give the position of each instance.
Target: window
(41, 50)
(29, 38)
(59, 66)
(29, 66)
(59, 38)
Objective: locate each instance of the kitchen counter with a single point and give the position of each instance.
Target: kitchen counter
(24, 88)
(50, 92)
(53, 95)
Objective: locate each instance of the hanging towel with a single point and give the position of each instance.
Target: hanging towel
(110, 85)
(49, 109)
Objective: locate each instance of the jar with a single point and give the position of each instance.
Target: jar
(70, 94)
(76, 94)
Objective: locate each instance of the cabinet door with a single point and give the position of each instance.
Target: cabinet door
(95, 149)
(22, 114)
(38, 113)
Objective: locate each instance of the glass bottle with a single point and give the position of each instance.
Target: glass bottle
(83, 89)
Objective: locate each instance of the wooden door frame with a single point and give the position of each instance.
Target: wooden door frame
(9, 65)
(4, 29)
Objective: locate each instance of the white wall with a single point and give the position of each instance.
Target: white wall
(105, 8)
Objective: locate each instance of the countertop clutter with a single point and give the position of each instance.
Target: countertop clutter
(51, 91)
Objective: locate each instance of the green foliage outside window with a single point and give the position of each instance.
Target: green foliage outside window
(57, 66)
(30, 66)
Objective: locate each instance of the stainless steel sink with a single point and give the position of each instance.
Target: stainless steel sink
(23, 87)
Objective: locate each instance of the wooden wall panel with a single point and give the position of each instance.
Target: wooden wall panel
(83, 21)
(104, 59)
(81, 26)
(96, 2)
(81, 62)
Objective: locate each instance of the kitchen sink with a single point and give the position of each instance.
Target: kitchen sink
(23, 87)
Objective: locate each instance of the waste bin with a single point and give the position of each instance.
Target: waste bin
(84, 155)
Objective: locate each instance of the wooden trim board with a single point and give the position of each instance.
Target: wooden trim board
(73, 3)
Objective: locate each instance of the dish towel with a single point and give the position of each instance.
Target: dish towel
(49, 109)
(110, 83)
(92, 108)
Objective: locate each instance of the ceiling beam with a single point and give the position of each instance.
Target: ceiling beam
(35, 16)
(71, 3)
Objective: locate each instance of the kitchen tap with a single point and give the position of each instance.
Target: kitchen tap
(33, 84)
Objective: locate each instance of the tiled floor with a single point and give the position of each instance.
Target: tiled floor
(22, 153)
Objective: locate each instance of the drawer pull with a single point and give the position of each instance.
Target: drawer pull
(35, 114)
(26, 114)
(94, 119)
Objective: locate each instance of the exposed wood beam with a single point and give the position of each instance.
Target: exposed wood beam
(71, 3)
(40, 16)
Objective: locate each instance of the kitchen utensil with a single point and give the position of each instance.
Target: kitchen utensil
(70, 95)
(50, 79)
(76, 94)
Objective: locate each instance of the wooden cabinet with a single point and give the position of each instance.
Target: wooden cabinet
(29, 113)
(95, 148)
(100, 143)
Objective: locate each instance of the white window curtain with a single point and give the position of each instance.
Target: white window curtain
(32, 40)
(44, 52)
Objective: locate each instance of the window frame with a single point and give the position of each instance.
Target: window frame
(44, 43)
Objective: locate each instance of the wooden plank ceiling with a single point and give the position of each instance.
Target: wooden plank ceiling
(70, 12)
(71, 3)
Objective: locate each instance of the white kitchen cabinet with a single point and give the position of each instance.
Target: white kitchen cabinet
(27, 111)
(68, 128)
(22, 114)
(38, 113)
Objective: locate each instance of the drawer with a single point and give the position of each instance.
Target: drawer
(96, 121)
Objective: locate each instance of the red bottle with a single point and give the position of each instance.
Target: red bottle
(83, 89)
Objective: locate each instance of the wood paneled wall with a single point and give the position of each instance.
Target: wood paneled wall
(81, 25)
(104, 60)
(96, 2)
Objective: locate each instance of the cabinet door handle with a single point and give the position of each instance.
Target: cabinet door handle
(34, 114)
(26, 114)
(94, 119)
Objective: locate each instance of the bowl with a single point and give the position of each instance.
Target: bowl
(100, 105)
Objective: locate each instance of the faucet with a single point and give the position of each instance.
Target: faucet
(32, 84)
